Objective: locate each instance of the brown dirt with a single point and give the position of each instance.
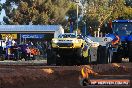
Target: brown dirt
(54, 76)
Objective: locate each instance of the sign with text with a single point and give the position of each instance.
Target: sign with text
(32, 35)
(105, 82)
(13, 36)
(111, 82)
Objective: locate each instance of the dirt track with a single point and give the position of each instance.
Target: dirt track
(55, 76)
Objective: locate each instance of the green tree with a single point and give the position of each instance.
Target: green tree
(36, 11)
(99, 12)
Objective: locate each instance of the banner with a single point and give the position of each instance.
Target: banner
(32, 35)
(13, 36)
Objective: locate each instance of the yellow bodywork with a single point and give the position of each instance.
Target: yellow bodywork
(76, 43)
(85, 53)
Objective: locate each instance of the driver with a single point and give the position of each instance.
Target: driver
(123, 30)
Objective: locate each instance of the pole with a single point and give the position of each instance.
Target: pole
(77, 18)
(98, 31)
(20, 38)
(85, 28)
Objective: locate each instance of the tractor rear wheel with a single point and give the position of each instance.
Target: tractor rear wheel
(79, 57)
(119, 55)
(130, 51)
(116, 57)
(51, 57)
(102, 55)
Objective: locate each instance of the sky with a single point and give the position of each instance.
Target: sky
(3, 11)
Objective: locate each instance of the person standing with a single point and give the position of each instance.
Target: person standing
(15, 51)
(23, 50)
(28, 53)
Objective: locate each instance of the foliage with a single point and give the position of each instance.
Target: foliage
(128, 3)
(98, 12)
(36, 11)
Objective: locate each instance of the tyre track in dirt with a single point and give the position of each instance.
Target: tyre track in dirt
(30, 76)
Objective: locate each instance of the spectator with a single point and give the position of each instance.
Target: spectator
(13, 42)
(15, 51)
(28, 53)
(30, 43)
(49, 46)
(34, 52)
(40, 48)
(23, 50)
(46, 44)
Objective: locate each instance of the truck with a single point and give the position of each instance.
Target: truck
(68, 49)
(115, 45)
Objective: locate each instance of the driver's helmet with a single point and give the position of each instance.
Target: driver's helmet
(123, 28)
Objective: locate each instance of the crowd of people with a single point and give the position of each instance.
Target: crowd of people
(28, 51)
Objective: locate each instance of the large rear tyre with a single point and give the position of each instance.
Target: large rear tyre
(58, 61)
(99, 55)
(130, 51)
(102, 57)
(51, 57)
(114, 57)
(130, 59)
(79, 53)
(117, 56)
(79, 57)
